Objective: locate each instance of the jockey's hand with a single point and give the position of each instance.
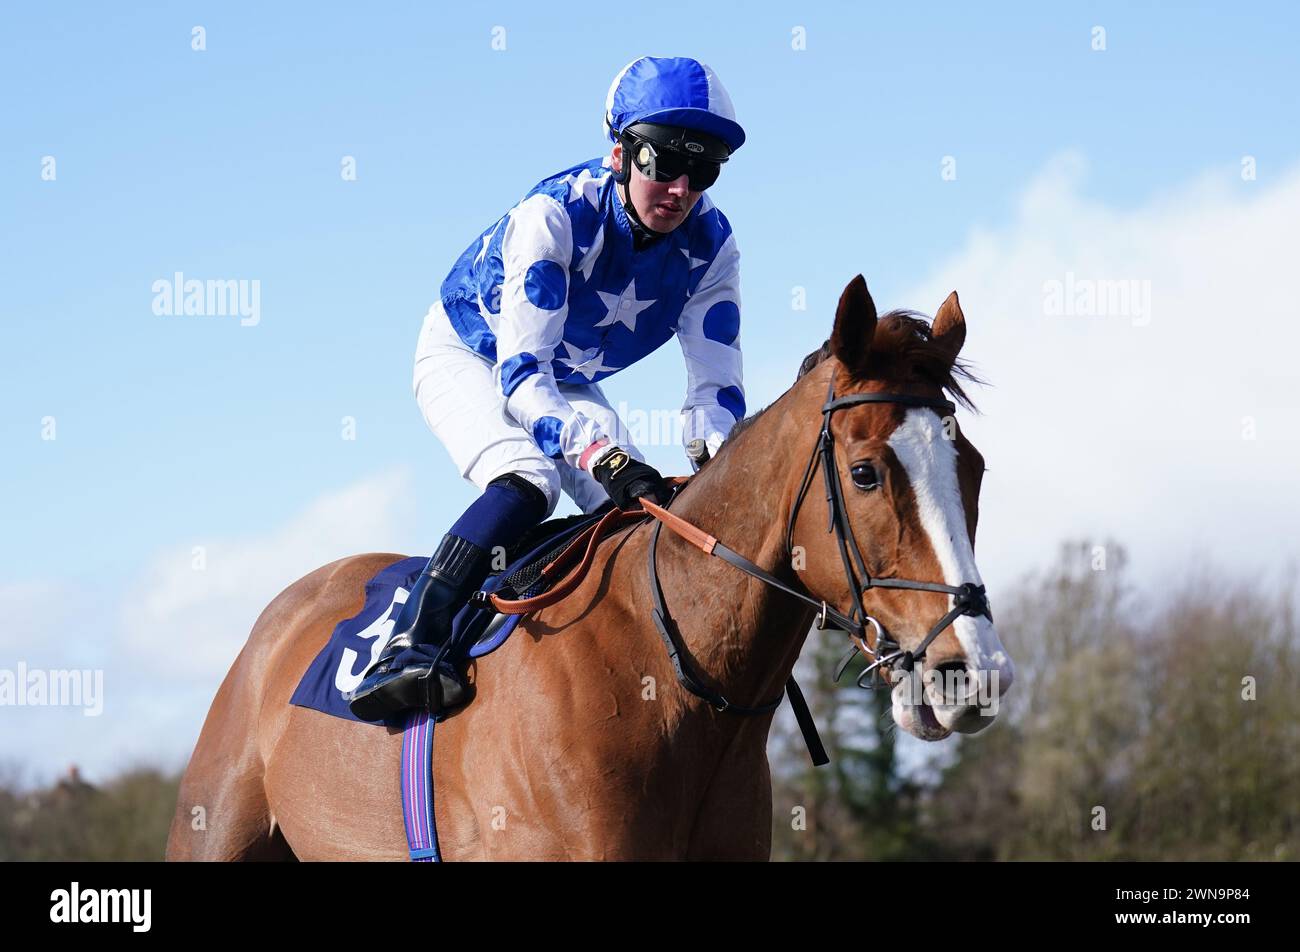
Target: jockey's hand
(700, 451)
(626, 479)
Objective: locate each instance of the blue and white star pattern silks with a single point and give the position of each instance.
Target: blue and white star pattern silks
(554, 292)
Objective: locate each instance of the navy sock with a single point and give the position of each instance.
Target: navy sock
(502, 514)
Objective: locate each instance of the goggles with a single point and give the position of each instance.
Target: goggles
(666, 164)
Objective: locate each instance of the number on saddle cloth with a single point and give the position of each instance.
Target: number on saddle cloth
(476, 631)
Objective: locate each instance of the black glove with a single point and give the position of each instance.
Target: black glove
(627, 479)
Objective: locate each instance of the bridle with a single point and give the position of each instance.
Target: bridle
(968, 598)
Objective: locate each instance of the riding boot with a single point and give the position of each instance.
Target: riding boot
(409, 672)
(413, 670)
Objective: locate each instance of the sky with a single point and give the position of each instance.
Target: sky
(1047, 161)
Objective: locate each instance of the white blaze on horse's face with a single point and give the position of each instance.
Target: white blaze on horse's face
(929, 457)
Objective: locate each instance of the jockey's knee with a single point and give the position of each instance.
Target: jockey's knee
(542, 486)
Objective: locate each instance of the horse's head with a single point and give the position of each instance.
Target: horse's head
(908, 488)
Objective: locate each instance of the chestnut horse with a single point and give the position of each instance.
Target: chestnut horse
(580, 742)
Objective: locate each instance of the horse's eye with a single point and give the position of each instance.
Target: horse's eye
(865, 476)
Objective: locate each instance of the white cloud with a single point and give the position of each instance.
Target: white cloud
(1132, 424)
(176, 631)
(29, 606)
(187, 621)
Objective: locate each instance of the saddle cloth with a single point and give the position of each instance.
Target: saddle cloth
(476, 631)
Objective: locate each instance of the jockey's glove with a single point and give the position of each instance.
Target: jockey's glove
(626, 479)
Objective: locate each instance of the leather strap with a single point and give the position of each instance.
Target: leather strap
(676, 650)
(711, 546)
(591, 537)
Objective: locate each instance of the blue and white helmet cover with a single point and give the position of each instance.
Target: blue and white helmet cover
(673, 91)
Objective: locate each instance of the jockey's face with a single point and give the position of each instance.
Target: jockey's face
(662, 206)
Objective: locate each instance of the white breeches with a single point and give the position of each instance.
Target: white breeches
(458, 396)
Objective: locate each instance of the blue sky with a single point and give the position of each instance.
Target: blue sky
(225, 164)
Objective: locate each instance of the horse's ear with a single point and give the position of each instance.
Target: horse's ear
(949, 327)
(855, 325)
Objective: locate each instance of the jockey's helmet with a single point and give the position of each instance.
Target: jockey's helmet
(673, 116)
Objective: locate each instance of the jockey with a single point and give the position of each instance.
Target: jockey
(596, 267)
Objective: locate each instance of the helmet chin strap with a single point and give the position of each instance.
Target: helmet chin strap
(642, 236)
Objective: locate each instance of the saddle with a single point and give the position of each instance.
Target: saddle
(533, 578)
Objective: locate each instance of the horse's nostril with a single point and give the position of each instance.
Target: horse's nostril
(954, 684)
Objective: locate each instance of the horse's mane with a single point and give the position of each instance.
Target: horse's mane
(902, 350)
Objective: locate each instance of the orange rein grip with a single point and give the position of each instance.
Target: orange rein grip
(697, 537)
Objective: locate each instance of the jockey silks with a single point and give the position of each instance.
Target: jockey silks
(554, 292)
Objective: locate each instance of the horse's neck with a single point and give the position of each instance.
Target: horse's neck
(743, 635)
